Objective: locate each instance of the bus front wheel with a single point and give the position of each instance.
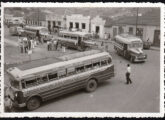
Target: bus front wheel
(33, 103)
(91, 85)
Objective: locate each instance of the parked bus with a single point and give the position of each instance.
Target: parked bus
(34, 30)
(49, 78)
(15, 30)
(76, 39)
(130, 47)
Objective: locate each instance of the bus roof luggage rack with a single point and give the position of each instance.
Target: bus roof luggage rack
(78, 55)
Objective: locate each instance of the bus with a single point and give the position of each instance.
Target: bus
(130, 47)
(34, 83)
(32, 31)
(76, 40)
(15, 30)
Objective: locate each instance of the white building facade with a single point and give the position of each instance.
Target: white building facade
(79, 22)
(97, 26)
(54, 21)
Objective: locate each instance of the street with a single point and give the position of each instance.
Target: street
(111, 96)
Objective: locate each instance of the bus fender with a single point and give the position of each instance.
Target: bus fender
(37, 95)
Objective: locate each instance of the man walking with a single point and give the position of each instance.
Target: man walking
(128, 74)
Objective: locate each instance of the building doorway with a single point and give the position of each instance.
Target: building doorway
(156, 41)
(97, 29)
(131, 30)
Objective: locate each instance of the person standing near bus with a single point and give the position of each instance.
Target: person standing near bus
(55, 45)
(20, 44)
(128, 73)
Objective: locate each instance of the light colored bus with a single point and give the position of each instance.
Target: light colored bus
(76, 39)
(45, 79)
(34, 30)
(130, 47)
(15, 30)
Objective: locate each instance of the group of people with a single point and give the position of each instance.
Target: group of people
(52, 45)
(26, 44)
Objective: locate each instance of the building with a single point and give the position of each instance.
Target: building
(36, 19)
(78, 21)
(100, 25)
(147, 27)
(7, 18)
(55, 21)
(97, 26)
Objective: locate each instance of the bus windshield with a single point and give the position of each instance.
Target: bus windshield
(136, 45)
(14, 83)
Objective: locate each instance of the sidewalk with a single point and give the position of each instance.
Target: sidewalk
(155, 48)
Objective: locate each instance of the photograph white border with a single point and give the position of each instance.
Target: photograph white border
(85, 114)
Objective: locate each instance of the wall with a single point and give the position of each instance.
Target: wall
(148, 31)
(55, 18)
(98, 21)
(78, 18)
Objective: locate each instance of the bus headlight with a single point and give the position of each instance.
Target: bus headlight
(16, 94)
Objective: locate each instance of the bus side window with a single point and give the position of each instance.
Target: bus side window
(30, 83)
(104, 62)
(45, 78)
(80, 69)
(61, 73)
(109, 60)
(88, 67)
(52, 76)
(96, 64)
(70, 70)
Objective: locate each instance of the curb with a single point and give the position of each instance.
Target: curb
(155, 48)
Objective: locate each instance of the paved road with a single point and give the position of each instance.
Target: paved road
(113, 95)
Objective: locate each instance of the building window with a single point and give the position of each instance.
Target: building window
(77, 25)
(59, 23)
(71, 25)
(83, 26)
(121, 30)
(130, 30)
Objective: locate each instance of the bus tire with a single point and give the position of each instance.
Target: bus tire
(33, 103)
(91, 85)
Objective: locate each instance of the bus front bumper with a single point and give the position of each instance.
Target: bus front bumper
(140, 59)
(15, 104)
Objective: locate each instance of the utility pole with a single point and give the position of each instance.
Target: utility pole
(38, 17)
(137, 12)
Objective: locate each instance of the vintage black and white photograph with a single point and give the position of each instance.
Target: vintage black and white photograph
(82, 59)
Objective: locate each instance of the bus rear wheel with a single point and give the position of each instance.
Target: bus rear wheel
(33, 103)
(91, 85)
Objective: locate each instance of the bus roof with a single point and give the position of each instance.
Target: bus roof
(128, 39)
(34, 27)
(20, 74)
(78, 33)
(78, 55)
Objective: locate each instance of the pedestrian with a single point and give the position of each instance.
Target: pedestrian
(55, 45)
(32, 43)
(48, 45)
(128, 73)
(20, 44)
(25, 45)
